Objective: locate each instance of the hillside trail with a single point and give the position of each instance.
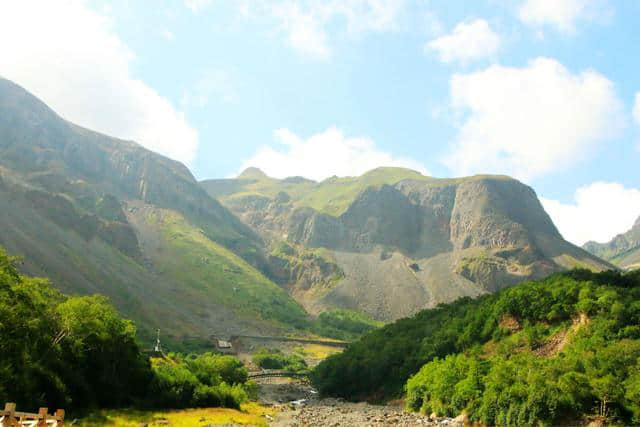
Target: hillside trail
(300, 406)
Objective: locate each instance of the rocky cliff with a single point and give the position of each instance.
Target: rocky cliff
(399, 241)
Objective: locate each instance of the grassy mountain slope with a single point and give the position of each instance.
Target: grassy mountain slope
(546, 352)
(623, 250)
(98, 214)
(394, 241)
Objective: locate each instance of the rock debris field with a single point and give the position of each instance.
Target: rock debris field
(300, 406)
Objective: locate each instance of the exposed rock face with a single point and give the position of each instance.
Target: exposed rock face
(623, 250)
(410, 243)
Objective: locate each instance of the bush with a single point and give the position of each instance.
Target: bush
(275, 359)
(212, 369)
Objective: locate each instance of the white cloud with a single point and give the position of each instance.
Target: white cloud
(71, 58)
(197, 5)
(312, 27)
(305, 30)
(308, 25)
(468, 41)
(323, 155)
(530, 121)
(600, 211)
(562, 14)
(636, 109)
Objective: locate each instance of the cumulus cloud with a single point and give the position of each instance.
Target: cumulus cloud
(527, 122)
(312, 27)
(468, 41)
(322, 155)
(305, 29)
(562, 14)
(307, 24)
(69, 56)
(600, 211)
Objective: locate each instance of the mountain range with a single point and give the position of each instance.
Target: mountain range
(102, 215)
(623, 250)
(392, 241)
(255, 254)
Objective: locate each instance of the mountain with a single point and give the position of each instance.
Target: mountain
(392, 241)
(623, 250)
(101, 215)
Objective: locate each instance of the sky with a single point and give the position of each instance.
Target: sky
(546, 91)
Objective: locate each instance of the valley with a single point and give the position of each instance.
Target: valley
(256, 255)
(389, 298)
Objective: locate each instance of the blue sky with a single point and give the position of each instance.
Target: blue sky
(543, 90)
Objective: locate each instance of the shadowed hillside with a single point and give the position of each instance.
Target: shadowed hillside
(99, 214)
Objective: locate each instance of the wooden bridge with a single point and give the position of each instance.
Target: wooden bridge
(273, 373)
(329, 343)
(11, 418)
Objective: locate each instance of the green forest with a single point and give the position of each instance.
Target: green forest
(549, 352)
(77, 353)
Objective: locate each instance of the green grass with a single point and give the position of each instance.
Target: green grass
(332, 196)
(344, 324)
(208, 270)
(250, 414)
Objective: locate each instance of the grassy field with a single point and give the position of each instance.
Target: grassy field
(251, 414)
(208, 270)
(331, 196)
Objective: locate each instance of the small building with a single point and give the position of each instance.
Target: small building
(222, 344)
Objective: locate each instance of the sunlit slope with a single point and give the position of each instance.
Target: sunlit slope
(215, 283)
(78, 206)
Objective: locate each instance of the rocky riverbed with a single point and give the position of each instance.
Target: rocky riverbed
(299, 406)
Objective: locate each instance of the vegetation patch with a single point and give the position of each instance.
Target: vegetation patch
(77, 353)
(249, 413)
(344, 324)
(209, 269)
(270, 358)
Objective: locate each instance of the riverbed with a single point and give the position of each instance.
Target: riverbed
(299, 405)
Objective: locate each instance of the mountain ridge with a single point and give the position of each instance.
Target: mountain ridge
(416, 233)
(101, 214)
(623, 250)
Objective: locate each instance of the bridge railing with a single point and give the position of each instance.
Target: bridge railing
(276, 373)
(9, 417)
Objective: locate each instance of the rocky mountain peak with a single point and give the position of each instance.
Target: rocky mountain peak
(623, 250)
(401, 241)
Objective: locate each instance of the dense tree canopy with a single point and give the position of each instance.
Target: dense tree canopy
(546, 351)
(78, 353)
